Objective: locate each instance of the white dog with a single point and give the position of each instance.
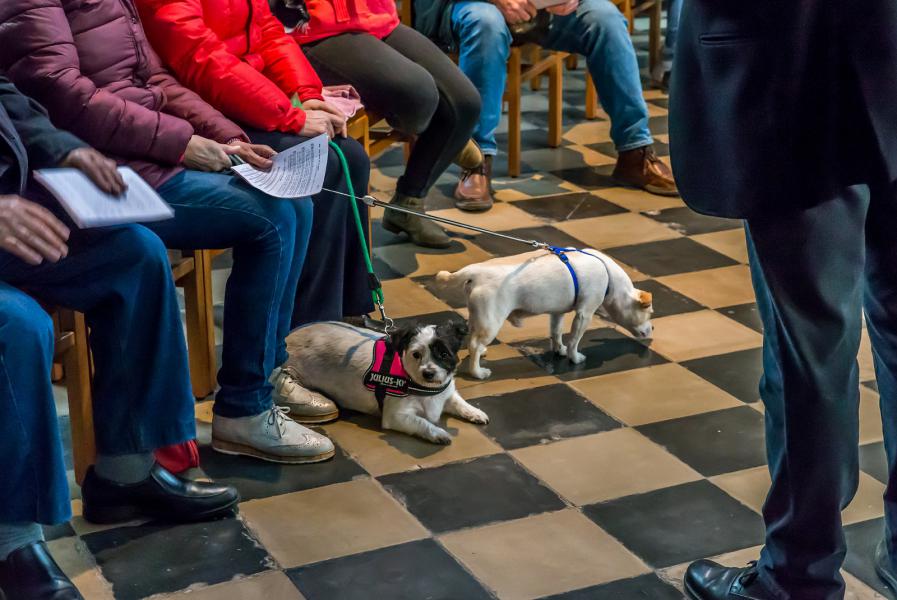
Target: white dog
(542, 282)
(407, 377)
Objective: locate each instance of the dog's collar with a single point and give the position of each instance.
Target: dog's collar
(561, 253)
(387, 376)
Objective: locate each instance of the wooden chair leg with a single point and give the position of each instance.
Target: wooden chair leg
(555, 102)
(572, 62)
(200, 325)
(76, 362)
(591, 98)
(535, 55)
(513, 92)
(626, 7)
(654, 31)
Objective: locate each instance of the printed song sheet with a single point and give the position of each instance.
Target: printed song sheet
(88, 206)
(297, 172)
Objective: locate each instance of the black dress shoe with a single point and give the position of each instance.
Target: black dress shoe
(707, 580)
(161, 496)
(31, 573)
(884, 566)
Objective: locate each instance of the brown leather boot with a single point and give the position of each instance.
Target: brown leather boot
(642, 169)
(422, 232)
(473, 192)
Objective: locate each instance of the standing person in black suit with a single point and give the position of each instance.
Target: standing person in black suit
(785, 114)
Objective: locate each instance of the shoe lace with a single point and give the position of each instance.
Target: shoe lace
(468, 173)
(750, 574)
(277, 418)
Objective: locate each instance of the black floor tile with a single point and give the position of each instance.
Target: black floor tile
(590, 178)
(405, 263)
(874, 461)
(151, 559)
(518, 367)
(713, 443)
(471, 493)
(610, 149)
(872, 385)
(746, 314)
(453, 299)
(566, 207)
(539, 415)
(530, 139)
(678, 524)
(737, 373)
(502, 247)
(670, 257)
(572, 115)
(644, 587)
(862, 538)
(260, 479)
(688, 222)
(658, 125)
(436, 318)
(606, 351)
(666, 301)
(405, 572)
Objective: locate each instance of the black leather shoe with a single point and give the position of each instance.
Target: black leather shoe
(707, 580)
(162, 496)
(884, 566)
(30, 572)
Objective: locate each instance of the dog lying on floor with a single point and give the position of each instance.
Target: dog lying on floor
(407, 377)
(550, 282)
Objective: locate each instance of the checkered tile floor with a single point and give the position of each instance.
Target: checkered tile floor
(596, 481)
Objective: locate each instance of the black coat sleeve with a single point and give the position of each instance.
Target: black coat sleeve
(46, 146)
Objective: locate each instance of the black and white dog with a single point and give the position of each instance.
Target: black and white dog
(407, 376)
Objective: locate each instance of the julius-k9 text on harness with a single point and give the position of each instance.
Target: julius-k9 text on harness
(387, 376)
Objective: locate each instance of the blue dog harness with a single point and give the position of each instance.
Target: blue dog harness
(561, 253)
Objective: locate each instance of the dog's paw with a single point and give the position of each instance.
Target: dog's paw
(440, 436)
(481, 373)
(578, 358)
(475, 415)
(561, 351)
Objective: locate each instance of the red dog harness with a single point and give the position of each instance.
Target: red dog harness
(387, 376)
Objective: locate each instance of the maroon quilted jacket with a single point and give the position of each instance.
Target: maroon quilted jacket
(89, 63)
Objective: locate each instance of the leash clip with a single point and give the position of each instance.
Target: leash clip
(388, 324)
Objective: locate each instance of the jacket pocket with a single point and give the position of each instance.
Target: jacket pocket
(730, 39)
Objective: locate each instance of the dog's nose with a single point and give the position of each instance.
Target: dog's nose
(428, 374)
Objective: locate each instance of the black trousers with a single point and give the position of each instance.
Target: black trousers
(415, 86)
(333, 283)
(815, 271)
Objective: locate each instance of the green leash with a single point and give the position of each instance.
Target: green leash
(373, 280)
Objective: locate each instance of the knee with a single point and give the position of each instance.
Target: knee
(466, 103)
(602, 16)
(482, 25)
(136, 246)
(418, 99)
(25, 325)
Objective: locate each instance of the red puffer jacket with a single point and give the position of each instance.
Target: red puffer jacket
(236, 55)
(89, 63)
(332, 17)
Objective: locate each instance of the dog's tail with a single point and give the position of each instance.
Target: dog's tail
(454, 286)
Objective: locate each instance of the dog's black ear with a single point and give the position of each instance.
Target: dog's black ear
(453, 332)
(400, 337)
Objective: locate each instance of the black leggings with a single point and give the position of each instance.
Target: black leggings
(415, 86)
(334, 281)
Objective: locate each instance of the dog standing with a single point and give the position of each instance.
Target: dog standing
(542, 282)
(339, 361)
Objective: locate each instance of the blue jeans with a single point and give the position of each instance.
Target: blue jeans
(597, 30)
(121, 279)
(814, 273)
(269, 237)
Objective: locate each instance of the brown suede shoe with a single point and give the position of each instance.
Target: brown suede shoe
(473, 192)
(642, 169)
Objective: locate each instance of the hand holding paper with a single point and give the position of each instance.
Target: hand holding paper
(297, 172)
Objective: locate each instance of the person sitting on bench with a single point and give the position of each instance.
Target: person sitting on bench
(120, 278)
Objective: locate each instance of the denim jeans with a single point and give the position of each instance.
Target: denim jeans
(121, 279)
(815, 271)
(596, 30)
(269, 237)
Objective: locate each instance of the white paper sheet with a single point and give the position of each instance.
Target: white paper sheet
(297, 172)
(88, 206)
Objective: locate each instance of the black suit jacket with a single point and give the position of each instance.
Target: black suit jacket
(777, 104)
(27, 139)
